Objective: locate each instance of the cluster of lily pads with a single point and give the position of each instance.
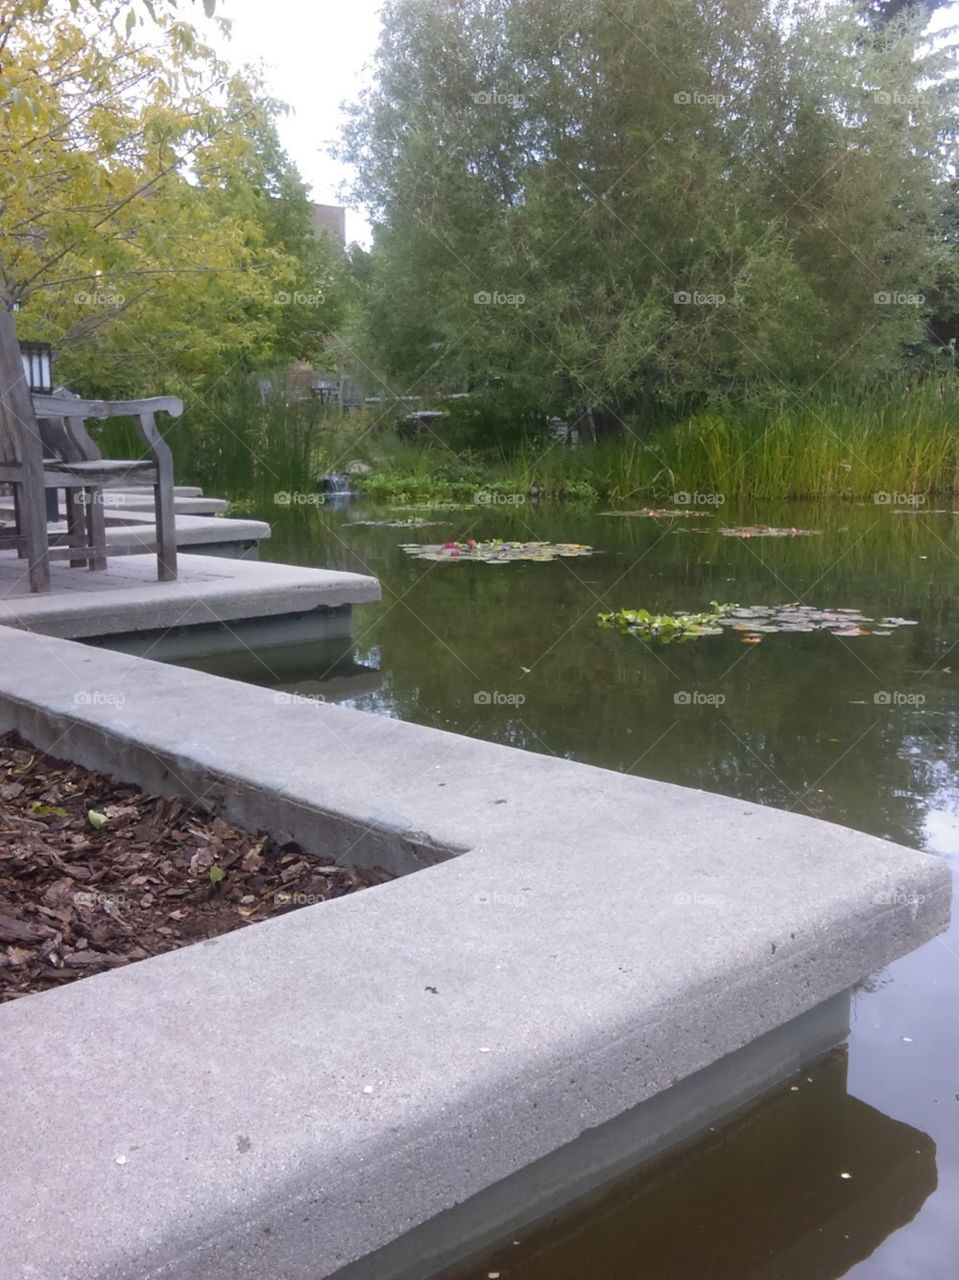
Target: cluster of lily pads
(435, 506)
(495, 551)
(752, 621)
(658, 513)
(668, 626)
(739, 531)
(767, 531)
(759, 620)
(414, 522)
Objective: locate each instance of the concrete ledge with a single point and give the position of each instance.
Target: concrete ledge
(287, 1100)
(127, 597)
(196, 533)
(142, 500)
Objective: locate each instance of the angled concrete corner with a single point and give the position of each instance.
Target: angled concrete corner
(126, 597)
(289, 1099)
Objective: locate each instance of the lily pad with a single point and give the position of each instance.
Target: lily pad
(767, 531)
(751, 621)
(496, 551)
(658, 513)
(668, 626)
(413, 523)
(435, 506)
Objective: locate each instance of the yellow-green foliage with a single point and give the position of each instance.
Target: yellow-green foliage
(145, 203)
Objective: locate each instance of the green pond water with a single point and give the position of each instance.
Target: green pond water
(860, 730)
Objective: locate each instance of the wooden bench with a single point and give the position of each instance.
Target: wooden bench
(31, 426)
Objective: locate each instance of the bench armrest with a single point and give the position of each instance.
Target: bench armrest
(71, 411)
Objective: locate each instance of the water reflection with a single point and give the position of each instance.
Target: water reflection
(321, 670)
(762, 1198)
(800, 726)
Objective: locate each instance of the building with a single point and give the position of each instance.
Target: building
(330, 218)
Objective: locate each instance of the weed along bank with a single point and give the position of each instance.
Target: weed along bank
(388, 1082)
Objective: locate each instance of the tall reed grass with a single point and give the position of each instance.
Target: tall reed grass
(901, 438)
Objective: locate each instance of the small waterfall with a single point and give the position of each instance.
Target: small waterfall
(335, 483)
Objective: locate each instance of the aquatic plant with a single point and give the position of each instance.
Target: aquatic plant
(767, 531)
(496, 551)
(752, 621)
(668, 626)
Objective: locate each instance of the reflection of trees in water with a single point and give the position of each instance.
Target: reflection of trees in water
(799, 718)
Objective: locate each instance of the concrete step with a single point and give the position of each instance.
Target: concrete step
(220, 536)
(127, 598)
(140, 500)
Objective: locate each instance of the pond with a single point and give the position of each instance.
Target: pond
(857, 729)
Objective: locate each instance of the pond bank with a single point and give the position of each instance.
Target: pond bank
(477, 1027)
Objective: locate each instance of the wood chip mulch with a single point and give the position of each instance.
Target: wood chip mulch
(94, 874)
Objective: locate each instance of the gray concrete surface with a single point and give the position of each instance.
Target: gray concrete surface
(142, 500)
(258, 646)
(287, 1100)
(610, 1152)
(126, 597)
(223, 535)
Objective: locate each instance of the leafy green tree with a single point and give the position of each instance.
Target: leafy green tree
(884, 11)
(668, 200)
(152, 227)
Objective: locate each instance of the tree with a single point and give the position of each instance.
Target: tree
(882, 12)
(689, 198)
(153, 228)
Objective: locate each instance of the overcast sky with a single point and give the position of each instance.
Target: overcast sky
(315, 54)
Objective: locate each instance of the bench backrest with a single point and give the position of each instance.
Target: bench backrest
(20, 443)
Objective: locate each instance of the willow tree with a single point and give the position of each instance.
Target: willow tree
(150, 224)
(685, 198)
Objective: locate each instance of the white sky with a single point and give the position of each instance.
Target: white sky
(315, 56)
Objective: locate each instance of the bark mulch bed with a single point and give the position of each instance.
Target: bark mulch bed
(94, 874)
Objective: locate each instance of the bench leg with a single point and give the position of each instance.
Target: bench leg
(96, 526)
(32, 522)
(165, 509)
(76, 524)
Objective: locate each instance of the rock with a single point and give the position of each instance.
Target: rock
(357, 468)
